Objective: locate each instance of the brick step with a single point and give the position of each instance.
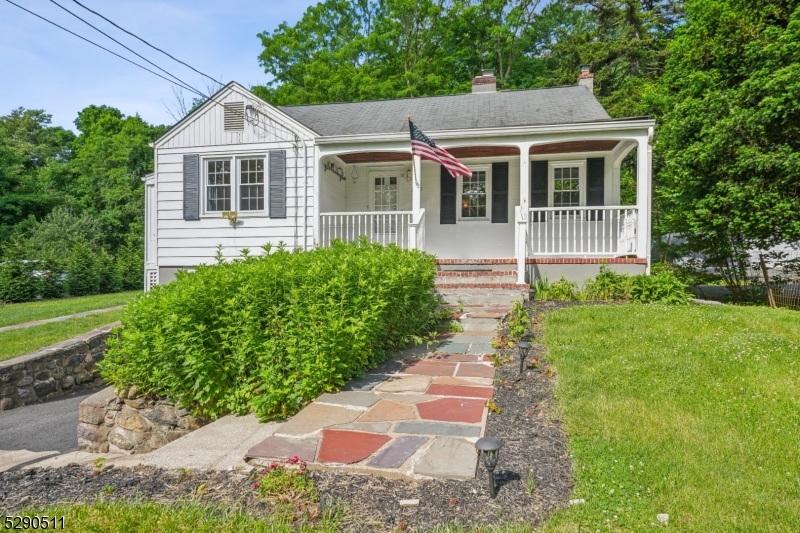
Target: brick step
(469, 285)
(474, 273)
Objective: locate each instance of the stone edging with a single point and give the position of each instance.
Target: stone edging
(54, 371)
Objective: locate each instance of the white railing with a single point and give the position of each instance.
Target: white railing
(384, 227)
(582, 231)
(418, 231)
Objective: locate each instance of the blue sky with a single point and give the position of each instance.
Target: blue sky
(43, 67)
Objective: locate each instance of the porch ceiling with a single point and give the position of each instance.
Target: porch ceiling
(573, 146)
(459, 152)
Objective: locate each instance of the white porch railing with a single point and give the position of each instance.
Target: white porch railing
(384, 227)
(582, 231)
(418, 231)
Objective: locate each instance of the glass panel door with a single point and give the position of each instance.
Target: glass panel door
(385, 199)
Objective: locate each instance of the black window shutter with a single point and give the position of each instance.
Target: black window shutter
(447, 204)
(500, 193)
(538, 192)
(595, 185)
(277, 183)
(191, 187)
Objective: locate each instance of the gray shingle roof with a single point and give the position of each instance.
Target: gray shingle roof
(530, 107)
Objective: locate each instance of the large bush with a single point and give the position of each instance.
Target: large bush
(268, 334)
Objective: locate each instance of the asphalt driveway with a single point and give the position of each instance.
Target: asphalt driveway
(48, 426)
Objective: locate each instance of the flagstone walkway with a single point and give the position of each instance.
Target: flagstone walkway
(417, 415)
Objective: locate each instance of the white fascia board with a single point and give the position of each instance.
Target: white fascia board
(520, 133)
(148, 177)
(216, 98)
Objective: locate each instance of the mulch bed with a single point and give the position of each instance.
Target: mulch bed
(534, 456)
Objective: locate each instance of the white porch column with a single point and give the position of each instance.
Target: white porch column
(416, 200)
(521, 212)
(643, 195)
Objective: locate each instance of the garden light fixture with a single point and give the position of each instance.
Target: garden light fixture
(489, 451)
(524, 348)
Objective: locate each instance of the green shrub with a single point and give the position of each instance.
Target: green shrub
(563, 289)
(130, 267)
(17, 281)
(660, 288)
(608, 285)
(82, 278)
(107, 277)
(51, 284)
(518, 322)
(267, 334)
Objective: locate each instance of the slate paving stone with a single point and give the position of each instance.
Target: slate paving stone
(353, 398)
(460, 390)
(426, 427)
(469, 370)
(448, 457)
(465, 410)
(430, 368)
(469, 339)
(456, 357)
(486, 314)
(316, 416)
(386, 410)
(453, 347)
(479, 333)
(481, 347)
(465, 381)
(406, 398)
(365, 384)
(388, 367)
(369, 427)
(478, 324)
(405, 384)
(398, 452)
(341, 446)
(275, 447)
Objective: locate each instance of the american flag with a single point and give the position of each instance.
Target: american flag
(424, 147)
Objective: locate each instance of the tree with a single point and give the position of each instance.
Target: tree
(730, 133)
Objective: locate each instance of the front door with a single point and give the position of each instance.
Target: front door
(384, 198)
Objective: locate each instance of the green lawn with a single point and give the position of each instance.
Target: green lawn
(18, 313)
(690, 411)
(21, 341)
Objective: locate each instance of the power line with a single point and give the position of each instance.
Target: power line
(125, 47)
(100, 46)
(179, 83)
(147, 43)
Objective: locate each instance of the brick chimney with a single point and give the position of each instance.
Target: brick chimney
(485, 83)
(586, 78)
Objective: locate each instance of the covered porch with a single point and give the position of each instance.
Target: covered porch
(532, 199)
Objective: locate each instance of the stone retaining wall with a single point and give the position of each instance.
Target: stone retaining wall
(54, 371)
(111, 423)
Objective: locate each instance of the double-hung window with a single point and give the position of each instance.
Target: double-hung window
(566, 188)
(235, 183)
(474, 198)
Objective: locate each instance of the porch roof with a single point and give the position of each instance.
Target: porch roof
(529, 107)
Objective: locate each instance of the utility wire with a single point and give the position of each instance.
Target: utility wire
(147, 43)
(127, 48)
(179, 83)
(100, 46)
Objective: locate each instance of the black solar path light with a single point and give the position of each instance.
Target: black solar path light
(524, 347)
(489, 451)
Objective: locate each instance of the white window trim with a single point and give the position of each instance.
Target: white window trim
(235, 184)
(460, 193)
(552, 165)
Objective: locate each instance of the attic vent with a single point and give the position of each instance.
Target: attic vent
(234, 116)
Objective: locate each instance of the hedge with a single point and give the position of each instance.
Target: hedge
(268, 334)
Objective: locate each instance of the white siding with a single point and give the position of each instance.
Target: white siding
(468, 239)
(182, 243)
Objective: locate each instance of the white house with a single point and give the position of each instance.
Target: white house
(544, 196)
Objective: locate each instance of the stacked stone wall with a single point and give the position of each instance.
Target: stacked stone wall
(130, 423)
(54, 371)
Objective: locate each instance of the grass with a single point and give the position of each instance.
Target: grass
(151, 517)
(691, 411)
(11, 314)
(21, 341)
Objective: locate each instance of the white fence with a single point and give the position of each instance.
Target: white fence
(582, 231)
(384, 227)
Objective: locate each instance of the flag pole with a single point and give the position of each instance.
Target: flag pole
(413, 162)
